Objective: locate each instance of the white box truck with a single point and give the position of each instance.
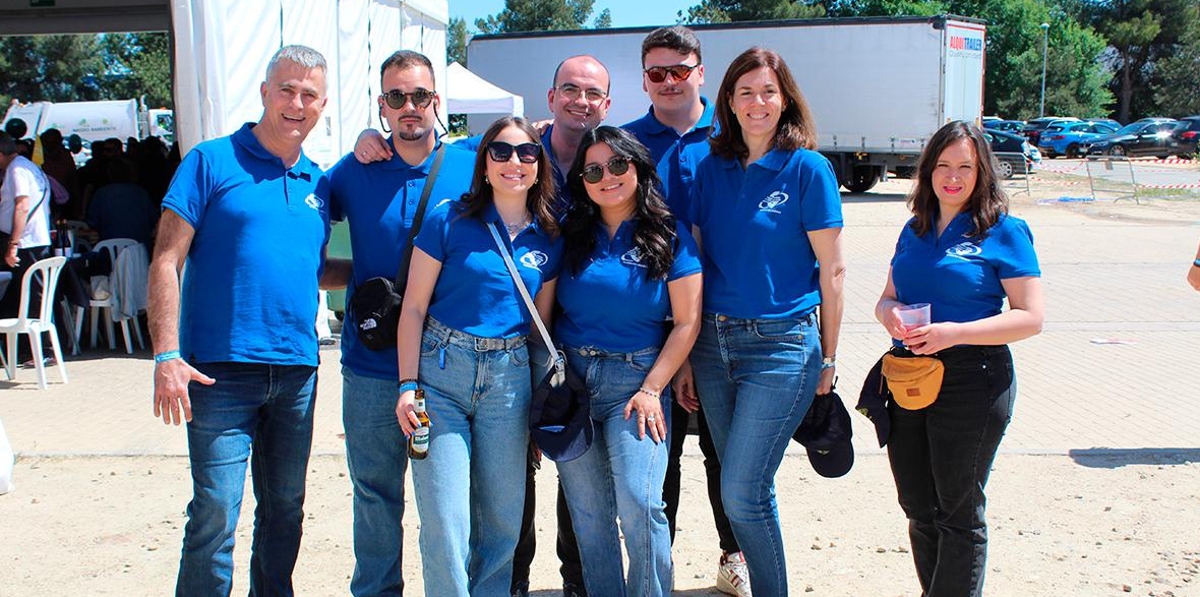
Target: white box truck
(878, 87)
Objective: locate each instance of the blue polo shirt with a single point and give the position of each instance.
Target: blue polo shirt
(474, 291)
(611, 304)
(379, 200)
(758, 263)
(957, 275)
(250, 288)
(676, 167)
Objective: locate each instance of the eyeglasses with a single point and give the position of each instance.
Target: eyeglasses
(420, 98)
(679, 72)
(594, 173)
(572, 92)
(527, 153)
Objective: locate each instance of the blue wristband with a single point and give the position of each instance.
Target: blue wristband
(1196, 263)
(167, 356)
(406, 386)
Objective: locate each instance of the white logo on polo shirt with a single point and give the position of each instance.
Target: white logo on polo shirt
(964, 250)
(313, 201)
(633, 257)
(772, 202)
(534, 260)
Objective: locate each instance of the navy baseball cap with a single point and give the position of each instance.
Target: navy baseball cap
(873, 402)
(825, 435)
(560, 416)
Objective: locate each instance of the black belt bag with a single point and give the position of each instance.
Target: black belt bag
(375, 306)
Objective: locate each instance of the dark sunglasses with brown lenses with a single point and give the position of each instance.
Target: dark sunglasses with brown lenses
(527, 153)
(594, 173)
(679, 72)
(420, 98)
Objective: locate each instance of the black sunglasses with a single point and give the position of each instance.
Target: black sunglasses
(679, 72)
(527, 153)
(594, 173)
(396, 99)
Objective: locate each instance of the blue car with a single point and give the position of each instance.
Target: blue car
(1069, 138)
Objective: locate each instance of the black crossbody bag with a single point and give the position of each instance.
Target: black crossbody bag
(375, 307)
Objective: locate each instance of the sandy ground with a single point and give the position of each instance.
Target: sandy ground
(1080, 524)
(1060, 526)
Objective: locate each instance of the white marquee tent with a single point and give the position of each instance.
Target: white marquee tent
(222, 48)
(468, 93)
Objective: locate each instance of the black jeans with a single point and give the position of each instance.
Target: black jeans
(567, 545)
(712, 472)
(941, 456)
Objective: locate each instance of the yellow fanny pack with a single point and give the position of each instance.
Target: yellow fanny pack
(914, 381)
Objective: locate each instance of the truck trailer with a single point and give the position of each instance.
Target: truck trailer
(879, 87)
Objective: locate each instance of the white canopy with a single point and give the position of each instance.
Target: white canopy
(468, 93)
(222, 48)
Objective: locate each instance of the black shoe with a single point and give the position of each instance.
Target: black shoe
(521, 589)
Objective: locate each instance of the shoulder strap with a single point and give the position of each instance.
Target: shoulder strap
(402, 273)
(512, 270)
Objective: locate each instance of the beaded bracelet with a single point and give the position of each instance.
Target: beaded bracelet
(649, 392)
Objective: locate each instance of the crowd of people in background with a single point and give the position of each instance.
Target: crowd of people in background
(692, 258)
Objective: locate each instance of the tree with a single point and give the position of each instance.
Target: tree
(456, 41)
(539, 15)
(603, 20)
(68, 68)
(724, 11)
(1178, 94)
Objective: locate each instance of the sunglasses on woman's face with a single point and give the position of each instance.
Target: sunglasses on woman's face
(679, 72)
(527, 153)
(594, 173)
(420, 98)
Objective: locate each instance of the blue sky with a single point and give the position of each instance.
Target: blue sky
(625, 13)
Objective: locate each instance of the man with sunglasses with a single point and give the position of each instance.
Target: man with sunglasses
(380, 200)
(676, 130)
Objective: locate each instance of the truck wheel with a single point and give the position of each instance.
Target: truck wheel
(862, 180)
(1073, 150)
(1006, 170)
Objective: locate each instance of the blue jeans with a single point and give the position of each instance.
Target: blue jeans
(756, 379)
(377, 454)
(269, 407)
(470, 489)
(619, 477)
(941, 457)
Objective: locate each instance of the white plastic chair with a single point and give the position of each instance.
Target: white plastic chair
(35, 326)
(101, 308)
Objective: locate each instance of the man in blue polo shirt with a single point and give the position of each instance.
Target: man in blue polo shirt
(676, 130)
(380, 201)
(236, 348)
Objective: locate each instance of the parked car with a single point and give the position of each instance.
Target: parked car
(1110, 122)
(1033, 128)
(1014, 153)
(1152, 137)
(1012, 126)
(1069, 138)
(1187, 132)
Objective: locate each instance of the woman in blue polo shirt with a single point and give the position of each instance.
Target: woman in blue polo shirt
(769, 218)
(628, 266)
(462, 336)
(963, 254)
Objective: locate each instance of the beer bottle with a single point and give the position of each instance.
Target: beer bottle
(418, 444)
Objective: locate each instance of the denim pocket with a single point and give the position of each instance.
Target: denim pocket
(642, 363)
(519, 356)
(429, 345)
(779, 329)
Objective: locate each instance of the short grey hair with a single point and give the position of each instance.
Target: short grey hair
(299, 55)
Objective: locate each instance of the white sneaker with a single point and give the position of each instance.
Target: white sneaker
(733, 578)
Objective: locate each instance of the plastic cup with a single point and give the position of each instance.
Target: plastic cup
(915, 315)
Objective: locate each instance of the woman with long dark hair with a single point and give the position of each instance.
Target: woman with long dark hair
(462, 335)
(769, 217)
(628, 266)
(963, 255)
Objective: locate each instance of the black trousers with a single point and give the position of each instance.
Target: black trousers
(567, 546)
(941, 457)
(10, 304)
(680, 420)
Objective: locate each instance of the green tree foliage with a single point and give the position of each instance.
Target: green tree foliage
(456, 41)
(724, 11)
(603, 20)
(71, 68)
(1178, 94)
(539, 15)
